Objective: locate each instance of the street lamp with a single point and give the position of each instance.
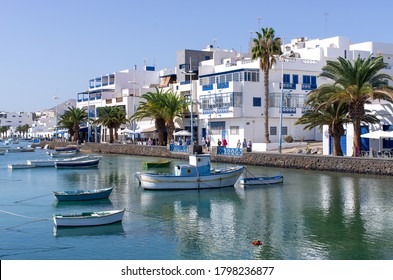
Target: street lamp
(190, 73)
(56, 97)
(88, 117)
(282, 57)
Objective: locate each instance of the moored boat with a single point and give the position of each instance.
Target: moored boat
(88, 218)
(77, 195)
(64, 154)
(263, 180)
(83, 163)
(20, 166)
(195, 175)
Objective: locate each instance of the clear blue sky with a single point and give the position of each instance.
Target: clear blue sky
(50, 47)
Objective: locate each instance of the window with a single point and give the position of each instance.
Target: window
(273, 130)
(217, 127)
(257, 102)
(284, 130)
(287, 78)
(295, 79)
(234, 130)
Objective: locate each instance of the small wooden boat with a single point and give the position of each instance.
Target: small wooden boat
(77, 195)
(2, 152)
(67, 148)
(195, 175)
(88, 218)
(20, 166)
(156, 164)
(83, 163)
(64, 154)
(263, 180)
(51, 162)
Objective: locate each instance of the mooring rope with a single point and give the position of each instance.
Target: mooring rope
(23, 216)
(32, 198)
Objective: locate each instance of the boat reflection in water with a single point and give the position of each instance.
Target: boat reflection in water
(112, 229)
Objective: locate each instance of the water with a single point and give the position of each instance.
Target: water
(312, 215)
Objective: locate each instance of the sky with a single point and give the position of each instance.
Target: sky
(53, 48)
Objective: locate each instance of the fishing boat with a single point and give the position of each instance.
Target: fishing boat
(2, 152)
(83, 163)
(20, 166)
(67, 148)
(263, 180)
(51, 162)
(77, 195)
(64, 154)
(156, 164)
(195, 175)
(88, 218)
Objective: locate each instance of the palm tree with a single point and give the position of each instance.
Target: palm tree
(4, 129)
(174, 106)
(354, 85)
(152, 106)
(321, 113)
(72, 120)
(266, 48)
(112, 117)
(25, 129)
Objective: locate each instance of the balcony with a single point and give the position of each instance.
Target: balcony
(309, 86)
(207, 87)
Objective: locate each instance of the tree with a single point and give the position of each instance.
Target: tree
(354, 85)
(72, 120)
(152, 105)
(174, 106)
(4, 129)
(321, 113)
(112, 117)
(266, 47)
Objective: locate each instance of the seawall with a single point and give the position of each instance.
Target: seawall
(376, 166)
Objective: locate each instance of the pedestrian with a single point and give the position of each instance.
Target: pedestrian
(224, 142)
(219, 143)
(239, 144)
(249, 145)
(245, 143)
(180, 142)
(208, 144)
(203, 142)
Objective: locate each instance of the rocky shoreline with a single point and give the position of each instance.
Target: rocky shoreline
(374, 166)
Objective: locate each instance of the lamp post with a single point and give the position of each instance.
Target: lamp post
(56, 98)
(88, 117)
(190, 73)
(282, 57)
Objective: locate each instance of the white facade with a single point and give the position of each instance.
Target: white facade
(15, 119)
(122, 88)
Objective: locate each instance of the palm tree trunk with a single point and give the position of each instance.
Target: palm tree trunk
(266, 106)
(356, 138)
(337, 151)
(111, 140)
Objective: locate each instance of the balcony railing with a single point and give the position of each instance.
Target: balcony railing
(207, 87)
(289, 110)
(178, 148)
(308, 87)
(223, 85)
(233, 152)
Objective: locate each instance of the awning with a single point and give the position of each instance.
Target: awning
(149, 129)
(378, 134)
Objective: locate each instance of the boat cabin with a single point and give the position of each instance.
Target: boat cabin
(199, 165)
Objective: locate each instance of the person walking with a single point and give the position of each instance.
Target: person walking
(239, 144)
(224, 142)
(219, 143)
(245, 143)
(208, 144)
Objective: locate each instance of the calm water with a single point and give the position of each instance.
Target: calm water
(313, 215)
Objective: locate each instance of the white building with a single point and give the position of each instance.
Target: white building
(15, 119)
(122, 88)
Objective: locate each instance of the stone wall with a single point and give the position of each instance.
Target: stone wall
(294, 161)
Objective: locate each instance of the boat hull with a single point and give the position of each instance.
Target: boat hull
(90, 163)
(79, 195)
(264, 180)
(88, 219)
(218, 179)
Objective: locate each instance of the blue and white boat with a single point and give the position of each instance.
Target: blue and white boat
(78, 195)
(88, 218)
(195, 175)
(263, 180)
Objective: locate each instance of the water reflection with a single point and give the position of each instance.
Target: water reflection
(112, 229)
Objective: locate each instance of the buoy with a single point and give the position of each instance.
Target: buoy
(257, 242)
